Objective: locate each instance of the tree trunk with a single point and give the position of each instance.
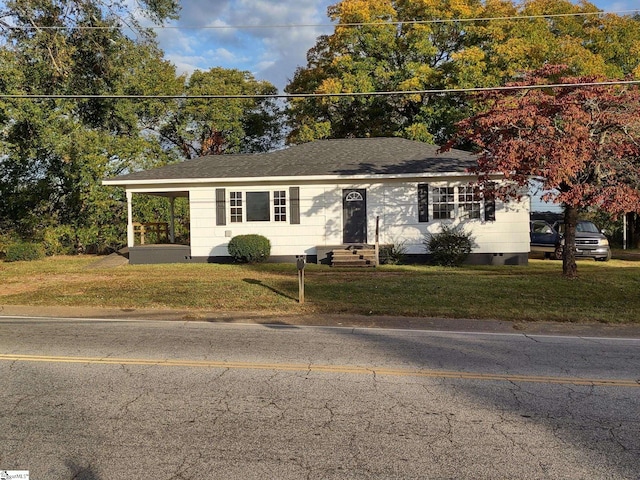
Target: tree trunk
(633, 230)
(569, 267)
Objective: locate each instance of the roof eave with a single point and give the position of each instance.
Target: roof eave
(283, 179)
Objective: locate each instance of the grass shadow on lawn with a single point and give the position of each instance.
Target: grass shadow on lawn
(253, 281)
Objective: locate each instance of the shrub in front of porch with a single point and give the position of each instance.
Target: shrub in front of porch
(249, 248)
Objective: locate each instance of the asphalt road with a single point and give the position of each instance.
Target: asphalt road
(94, 400)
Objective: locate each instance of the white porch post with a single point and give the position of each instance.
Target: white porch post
(130, 238)
(172, 223)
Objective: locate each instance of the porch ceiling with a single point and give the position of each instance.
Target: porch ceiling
(171, 194)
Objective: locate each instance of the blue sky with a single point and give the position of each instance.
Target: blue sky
(269, 53)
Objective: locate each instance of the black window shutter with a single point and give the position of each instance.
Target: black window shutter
(294, 205)
(490, 204)
(423, 202)
(221, 207)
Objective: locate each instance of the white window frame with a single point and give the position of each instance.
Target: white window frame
(279, 202)
(469, 203)
(451, 202)
(236, 207)
(443, 202)
(278, 206)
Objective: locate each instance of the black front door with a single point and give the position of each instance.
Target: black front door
(354, 214)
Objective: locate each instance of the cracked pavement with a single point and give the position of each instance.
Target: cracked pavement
(256, 418)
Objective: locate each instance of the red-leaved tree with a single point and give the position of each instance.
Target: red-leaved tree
(581, 142)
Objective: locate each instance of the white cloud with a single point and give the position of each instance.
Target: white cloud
(186, 64)
(269, 53)
(267, 64)
(173, 40)
(221, 53)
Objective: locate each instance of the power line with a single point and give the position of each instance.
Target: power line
(322, 25)
(319, 95)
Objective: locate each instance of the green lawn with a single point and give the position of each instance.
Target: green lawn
(604, 292)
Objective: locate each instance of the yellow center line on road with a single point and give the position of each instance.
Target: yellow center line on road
(600, 382)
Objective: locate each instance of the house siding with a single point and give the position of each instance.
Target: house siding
(394, 202)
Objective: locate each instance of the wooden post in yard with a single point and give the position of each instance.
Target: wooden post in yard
(300, 286)
(300, 262)
(377, 245)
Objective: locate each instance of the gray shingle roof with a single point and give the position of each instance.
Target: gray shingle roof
(357, 156)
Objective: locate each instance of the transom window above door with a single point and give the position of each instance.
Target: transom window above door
(354, 197)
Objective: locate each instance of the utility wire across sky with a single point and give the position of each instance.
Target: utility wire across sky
(321, 25)
(319, 95)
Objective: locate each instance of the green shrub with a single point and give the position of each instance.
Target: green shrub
(451, 247)
(58, 240)
(68, 240)
(249, 248)
(87, 240)
(393, 253)
(24, 251)
(6, 239)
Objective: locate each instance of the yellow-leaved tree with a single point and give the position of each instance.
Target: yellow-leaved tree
(413, 45)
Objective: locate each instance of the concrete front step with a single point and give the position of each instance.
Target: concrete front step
(353, 257)
(354, 254)
(354, 263)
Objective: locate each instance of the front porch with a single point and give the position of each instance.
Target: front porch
(159, 231)
(157, 242)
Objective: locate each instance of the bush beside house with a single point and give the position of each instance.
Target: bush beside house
(451, 247)
(249, 248)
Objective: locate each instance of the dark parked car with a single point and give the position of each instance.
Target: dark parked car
(590, 242)
(545, 239)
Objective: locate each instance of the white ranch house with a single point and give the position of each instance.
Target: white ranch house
(327, 195)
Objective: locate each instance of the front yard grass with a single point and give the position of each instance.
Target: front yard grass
(604, 292)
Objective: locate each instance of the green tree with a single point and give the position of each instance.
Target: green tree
(199, 127)
(54, 152)
(406, 56)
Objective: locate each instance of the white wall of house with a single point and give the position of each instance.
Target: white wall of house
(398, 209)
(394, 202)
(211, 240)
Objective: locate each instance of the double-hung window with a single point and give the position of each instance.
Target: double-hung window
(443, 202)
(447, 203)
(468, 203)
